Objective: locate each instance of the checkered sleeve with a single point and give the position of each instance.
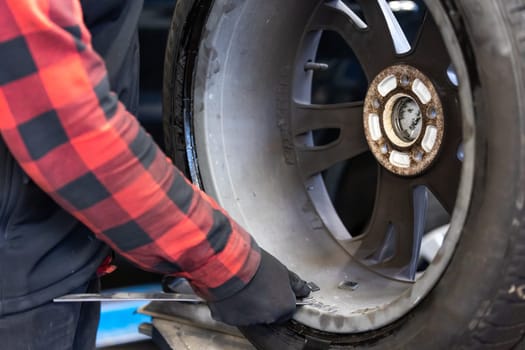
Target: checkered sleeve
(75, 140)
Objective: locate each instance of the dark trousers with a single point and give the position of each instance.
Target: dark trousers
(53, 326)
(66, 326)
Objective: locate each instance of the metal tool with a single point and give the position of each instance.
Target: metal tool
(135, 296)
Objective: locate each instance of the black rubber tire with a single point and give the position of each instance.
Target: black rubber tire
(479, 303)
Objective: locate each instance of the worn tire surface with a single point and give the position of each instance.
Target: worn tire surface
(480, 301)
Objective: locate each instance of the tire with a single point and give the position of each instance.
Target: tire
(478, 299)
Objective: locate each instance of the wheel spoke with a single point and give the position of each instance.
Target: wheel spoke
(406, 260)
(430, 53)
(443, 178)
(373, 48)
(381, 20)
(347, 118)
(342, 7)
(308, 117)
(392, 207)
(393, 237)
(443, 181)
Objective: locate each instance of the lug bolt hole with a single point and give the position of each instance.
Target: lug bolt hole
(432, 113)
(405, 80)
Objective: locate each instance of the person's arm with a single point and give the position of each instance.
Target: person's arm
(76, 141)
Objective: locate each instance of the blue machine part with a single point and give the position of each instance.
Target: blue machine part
(119, 321)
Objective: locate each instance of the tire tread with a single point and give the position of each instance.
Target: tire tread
(502, 325)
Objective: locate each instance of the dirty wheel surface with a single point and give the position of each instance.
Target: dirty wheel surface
(376, 148)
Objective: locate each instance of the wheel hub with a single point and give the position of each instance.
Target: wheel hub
(403, 120)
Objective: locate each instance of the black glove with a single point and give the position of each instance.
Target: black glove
(270, 296)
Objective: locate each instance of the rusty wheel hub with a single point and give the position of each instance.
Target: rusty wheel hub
(403, 120)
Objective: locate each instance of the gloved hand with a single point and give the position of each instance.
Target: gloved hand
(270, 296)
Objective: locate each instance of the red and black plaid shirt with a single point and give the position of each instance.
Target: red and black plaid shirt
(71, 135)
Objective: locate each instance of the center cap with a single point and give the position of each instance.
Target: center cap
(403, 120)
(407, 119)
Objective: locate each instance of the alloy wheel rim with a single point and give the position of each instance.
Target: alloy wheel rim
(383, 294)
(408, 172)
